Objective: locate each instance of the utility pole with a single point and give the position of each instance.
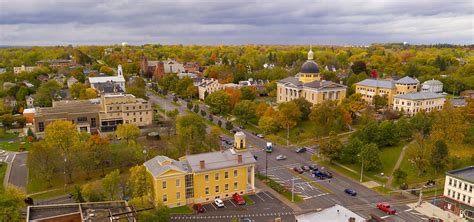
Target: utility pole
(292, 189)
(361, 168)
(266, 165)
(65, 177)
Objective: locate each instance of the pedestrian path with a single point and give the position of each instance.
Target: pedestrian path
(198, 217)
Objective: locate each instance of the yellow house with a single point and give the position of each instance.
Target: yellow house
(369, 88)
(309, 85)
(203, 177)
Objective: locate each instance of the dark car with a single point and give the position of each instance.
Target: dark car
(319, 174)
(199, 208)
(328, 174)
(233, 130)
(255, 157)
(313, 167)
(299, 170)
(350, 192)
(305, 168)
(301, 150)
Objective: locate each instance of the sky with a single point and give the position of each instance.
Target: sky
(329, 22)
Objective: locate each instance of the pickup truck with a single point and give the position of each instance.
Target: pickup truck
(385, 207)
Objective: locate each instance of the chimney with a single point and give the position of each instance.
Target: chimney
(239, 158)
(352, 219)
(202, 164)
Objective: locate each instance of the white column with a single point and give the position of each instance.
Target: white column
(252, 177)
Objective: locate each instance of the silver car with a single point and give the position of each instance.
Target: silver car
(281, 157)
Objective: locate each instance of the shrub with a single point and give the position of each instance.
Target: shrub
(196, 109)
(189, 105)
(228, 125)
(203, 113)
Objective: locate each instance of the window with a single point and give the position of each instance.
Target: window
(110, 108)
(81, 119)
(93, 122)
(470, 188)
(128, 114)
(449, 192)
(460, 185)
(41, 126)
(178, 195)
(206, 190)
(164, 184)
(126, 108)
(465, 186)
(134, 119)
(206, 178)
(454, 183)
(463, 198)
(226, 187)
(217, 189)
(165, 198)
(235, 186)
(177, 182)
(139, 107)
(217, 176)
(459, 196)
(141, 119)
(226, 174)
(235, 173)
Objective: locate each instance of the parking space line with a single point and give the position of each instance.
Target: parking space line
(260, 197)
(232, 202)
(267, 195)
(213, 206)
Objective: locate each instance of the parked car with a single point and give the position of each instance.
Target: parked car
(219, 203)
(319, 174)
(305, 168)
(199, 208)
(2, 152)
(350, 192)
(434, 219)
(260, 136)
(385, 207)
(242, 127)
(238, 199)
(328, 174)
(281, 157)
(246, 219)
(255, 157)
(301, 150)
(313, 167)
(233, 131)
(298, 170)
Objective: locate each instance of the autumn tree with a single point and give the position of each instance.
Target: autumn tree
(107, 70)
(140, 182)
(111, 184)
(128, 132)
(245, 111)
(218, 102)
(288, 116)
(100, 151)
(418, 154)
(439, 156)
(63, 136)
(190, 129)
(268, 124)
(45, 160)
(449, 124)
(304, 106)
(11, 203)
(369, 156)
(248, 93)
(380, 101)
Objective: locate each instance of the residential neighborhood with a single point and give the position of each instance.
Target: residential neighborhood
(256, 126)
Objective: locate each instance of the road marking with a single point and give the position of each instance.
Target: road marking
(213, 206)
(386, 216)
(408, 210)
(232, 203)
(268, 195)
(260, 197)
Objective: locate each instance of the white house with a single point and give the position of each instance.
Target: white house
(118, 80)
(432, 86)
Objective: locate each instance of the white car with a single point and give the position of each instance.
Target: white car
(219, 203)
(2, 152)
(260, 136)
(281, 157)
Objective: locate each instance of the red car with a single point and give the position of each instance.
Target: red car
(385, 207)
(199, 208)
(238, 199)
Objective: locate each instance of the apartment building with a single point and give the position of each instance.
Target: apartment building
(208, 86)
(204, 177)
(309, 85)
(369, 88)
(412, 103)
(459, 192)
(23, 68)
(116, 109)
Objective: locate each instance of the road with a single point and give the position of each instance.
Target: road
(19, 171)
(327, 192)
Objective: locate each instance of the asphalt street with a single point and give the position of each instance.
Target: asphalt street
(19, 170)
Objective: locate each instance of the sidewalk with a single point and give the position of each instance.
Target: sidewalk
(260, 186)
(430, 210)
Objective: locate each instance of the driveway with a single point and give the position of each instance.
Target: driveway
(19, 170)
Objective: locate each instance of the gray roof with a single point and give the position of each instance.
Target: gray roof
(377, 83)
(420, 95)
(219, 160)
(321, 84)
(407, 80)
(466, 173)
(156, 166)
(432, 82)
(293, 80)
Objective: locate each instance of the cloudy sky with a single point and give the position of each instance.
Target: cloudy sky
(57, 22)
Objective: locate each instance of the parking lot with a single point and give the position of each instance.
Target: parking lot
(266, 207)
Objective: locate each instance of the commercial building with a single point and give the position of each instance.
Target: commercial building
(309, 85)
(23, 68)
(118, 81)
(433, 85)
(156, 69)
(95, 115)
(412, 103)
(459, 192)
(204, 177)
(369, 88)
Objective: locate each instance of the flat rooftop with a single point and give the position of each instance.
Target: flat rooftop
(466, 173)
(69, 106)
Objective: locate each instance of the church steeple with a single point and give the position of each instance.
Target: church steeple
(310, 53)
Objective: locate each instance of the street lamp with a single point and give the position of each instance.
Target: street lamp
(144, 153)
(65, 179)
(362, 167)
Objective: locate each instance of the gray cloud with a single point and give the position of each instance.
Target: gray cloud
(53, 22)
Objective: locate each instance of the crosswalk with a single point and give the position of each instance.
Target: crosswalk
(197, 217)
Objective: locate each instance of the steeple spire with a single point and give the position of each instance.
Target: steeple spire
(310, 53)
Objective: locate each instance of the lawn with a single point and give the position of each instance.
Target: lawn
(14, 146)
(3, 169)
(7, 135)
(248, 200)
(181, 210)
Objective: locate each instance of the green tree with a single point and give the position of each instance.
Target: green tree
(268, 124)
(288, 116)
(350, 150)
(111, 184)
(107, 70)
(245, 111)
(129, 132)
(77, 90)
(422, 123)
(419, 154)
(22, 93)
(380, 101)
(304, 106)
(229, 125)
(44, 160)
(7, 119)
(140, 182)
(370, 156)
(359, 67)
(11, 203)
(218, 102)
(191, 129)
(248, 93)
(331, 148)
(400, 176)
(46, 93)
(439, 156)
(388, 134)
